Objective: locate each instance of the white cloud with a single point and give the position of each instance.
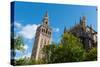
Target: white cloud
(17, 25)
(56, 29)
(25, 47)
(28, 31)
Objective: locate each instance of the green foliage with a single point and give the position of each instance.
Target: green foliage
(70, 39)
(18, 43)
(25, 61)
(69, 50)
(20, 61)
(73, 48)
(48, 51)
(91, 55)
(28, 61)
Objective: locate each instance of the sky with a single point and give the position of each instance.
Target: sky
(28, 16)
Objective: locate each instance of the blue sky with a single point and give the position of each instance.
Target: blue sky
(28, 16)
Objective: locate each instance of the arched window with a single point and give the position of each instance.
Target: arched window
(48, 32)
(46, 22)
(42, 30)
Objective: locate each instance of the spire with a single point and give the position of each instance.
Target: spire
(83, 22)
(45, 19)
(84, 18)
(91, 28)
(46, 14)
(65, 30)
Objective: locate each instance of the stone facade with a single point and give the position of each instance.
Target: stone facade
(42, 37)
(87, 35)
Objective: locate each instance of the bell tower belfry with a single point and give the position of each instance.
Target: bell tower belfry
(42, 38)
(45, 19)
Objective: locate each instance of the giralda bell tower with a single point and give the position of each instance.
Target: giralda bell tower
(42, 37)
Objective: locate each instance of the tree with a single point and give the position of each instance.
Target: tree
(73, 48)
(25, 61)
(91, 55)
(69, 50)
(48, 51)
(16, 44)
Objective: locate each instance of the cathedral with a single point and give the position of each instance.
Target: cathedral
(42, 38)
(87, 35)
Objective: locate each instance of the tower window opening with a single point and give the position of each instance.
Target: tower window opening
(42, 30)
(46, 22)
(47, 32)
